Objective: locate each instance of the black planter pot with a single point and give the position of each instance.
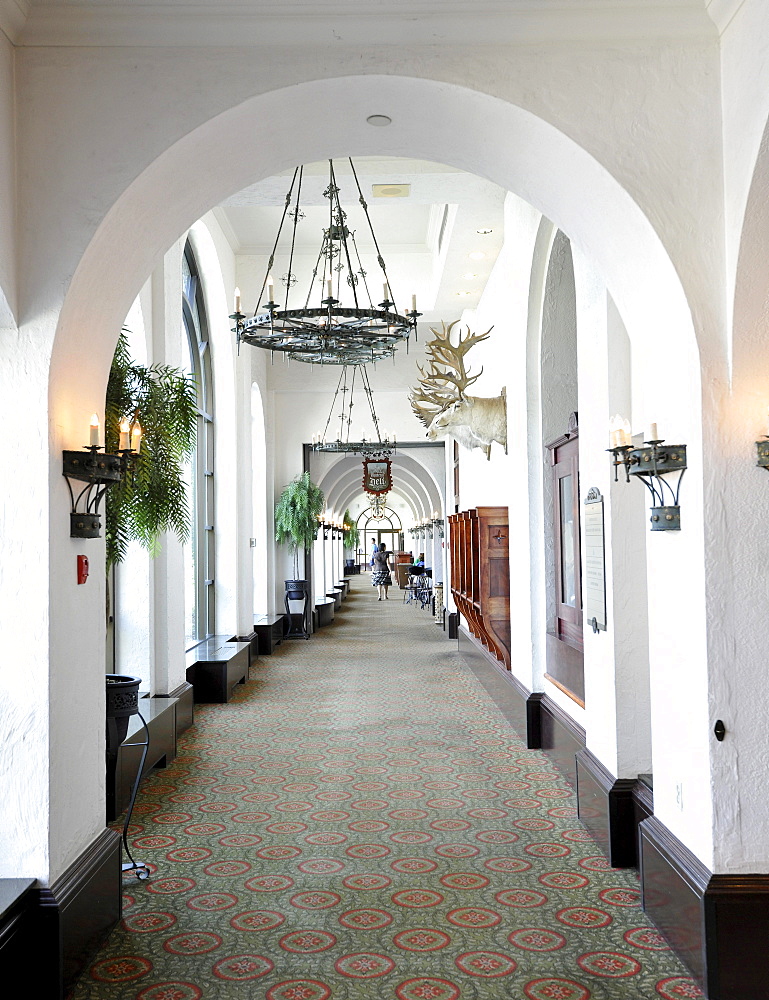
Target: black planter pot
(296, 590)
(122, 702)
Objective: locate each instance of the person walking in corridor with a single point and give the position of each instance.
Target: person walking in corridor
(380, 571)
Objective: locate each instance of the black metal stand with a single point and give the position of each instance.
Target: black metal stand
(293, 631)
(137, 868)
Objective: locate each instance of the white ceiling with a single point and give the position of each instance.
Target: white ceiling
(407, 231)
(269, 22)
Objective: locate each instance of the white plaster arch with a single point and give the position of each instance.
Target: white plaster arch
(340, 477)
(293, 124)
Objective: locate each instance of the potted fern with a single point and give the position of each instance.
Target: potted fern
(297, 515)
(153, 499)
(296, 518)
(350, 540)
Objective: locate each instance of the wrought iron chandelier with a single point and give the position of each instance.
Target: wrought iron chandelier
(344, 396)
(327, 331)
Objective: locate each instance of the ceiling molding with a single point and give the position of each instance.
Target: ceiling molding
(225, 225)
(488, 22)
(13, 18)
(722, 12)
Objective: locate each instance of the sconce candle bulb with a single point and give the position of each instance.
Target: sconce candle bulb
(93, 440)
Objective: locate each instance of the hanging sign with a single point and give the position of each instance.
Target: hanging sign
(377, 476)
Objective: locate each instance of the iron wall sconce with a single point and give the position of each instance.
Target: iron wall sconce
(762, 453)
(98, 472)
(651, 464)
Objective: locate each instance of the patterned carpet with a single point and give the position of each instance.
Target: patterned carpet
(361, 822)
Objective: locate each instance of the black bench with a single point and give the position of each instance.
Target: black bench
(269, 630)
(336, 595)
(160, 716)
(324, 607)
(215, 666)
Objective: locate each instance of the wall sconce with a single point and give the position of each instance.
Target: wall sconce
(438, 523)
(98, 472)
(762, 453)
(651, 464)
(427, 528)
(325, 525)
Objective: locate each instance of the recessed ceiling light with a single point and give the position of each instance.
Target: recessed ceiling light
(484, 232)
(469, 276)
(477, 255)
(390, 190)
(379, 120)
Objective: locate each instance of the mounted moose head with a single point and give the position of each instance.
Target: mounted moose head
(440, 402)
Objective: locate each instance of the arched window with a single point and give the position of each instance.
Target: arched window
(199, 552)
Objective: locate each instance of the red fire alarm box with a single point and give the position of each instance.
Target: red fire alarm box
(82, 569)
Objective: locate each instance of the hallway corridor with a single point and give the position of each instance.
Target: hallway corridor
(361, 822)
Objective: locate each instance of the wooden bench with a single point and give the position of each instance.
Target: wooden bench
(215, 666)
(269, 630)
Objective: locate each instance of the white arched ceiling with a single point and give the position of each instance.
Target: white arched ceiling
(343, 481)
(322, 118)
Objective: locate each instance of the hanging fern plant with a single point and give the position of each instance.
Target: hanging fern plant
(152, 499)
(296, 515)
(352, 535)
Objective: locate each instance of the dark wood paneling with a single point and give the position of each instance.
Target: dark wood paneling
(561, 739)
(737, 937)
(673, 883)
(566, 665)
(718, 925)
(519, 706)
(605, 806)
(76, 915)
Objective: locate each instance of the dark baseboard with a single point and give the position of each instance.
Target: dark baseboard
(18, 944)
(561, 738)
(718, 925)
(519, 706)
(76, 914)
(185, 706)
(605, 806)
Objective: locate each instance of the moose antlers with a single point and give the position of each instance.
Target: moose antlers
(447, 378)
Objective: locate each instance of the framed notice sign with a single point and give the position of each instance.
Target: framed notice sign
(594, 580)
(377, 477)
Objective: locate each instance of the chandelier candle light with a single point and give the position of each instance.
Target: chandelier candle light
(327, 332)
(383, 445)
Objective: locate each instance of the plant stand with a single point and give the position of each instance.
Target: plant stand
(298, 590)
(122, 703)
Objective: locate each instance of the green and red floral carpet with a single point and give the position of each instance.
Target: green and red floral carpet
(361, 822)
